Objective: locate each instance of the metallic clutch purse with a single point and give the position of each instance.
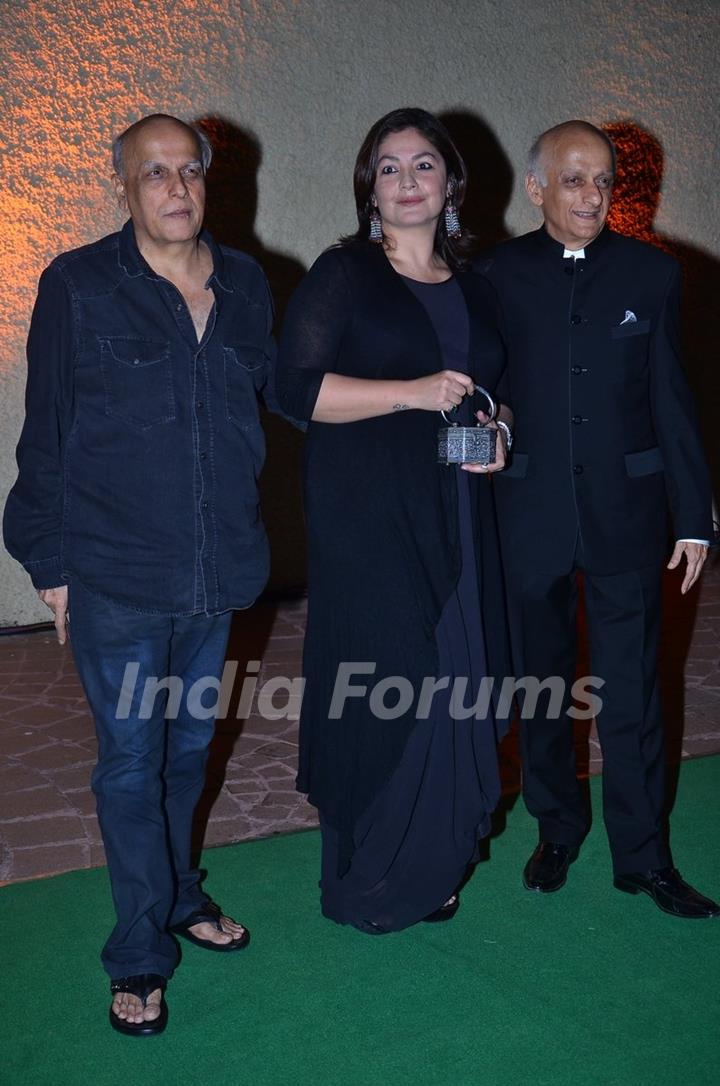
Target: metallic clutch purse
(468, 444)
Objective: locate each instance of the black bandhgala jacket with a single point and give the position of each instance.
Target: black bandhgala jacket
(607, 440)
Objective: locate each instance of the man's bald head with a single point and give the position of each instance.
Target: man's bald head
(125, 140)
(570, 177)
(543, 147)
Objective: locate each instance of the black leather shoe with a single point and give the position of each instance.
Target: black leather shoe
(669, 892)
(547, 868)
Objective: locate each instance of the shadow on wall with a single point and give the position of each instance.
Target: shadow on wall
(636, 197)
(490, 176)
(230, 218)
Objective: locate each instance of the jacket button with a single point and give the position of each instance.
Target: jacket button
(576, 370)
(200, 404)
(577, 419)
(576, 319)
(578, 469)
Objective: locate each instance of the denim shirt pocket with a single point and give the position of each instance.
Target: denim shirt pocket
(245, 375)
(137, 377)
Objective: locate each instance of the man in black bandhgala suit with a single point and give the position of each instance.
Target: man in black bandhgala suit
(606, 445)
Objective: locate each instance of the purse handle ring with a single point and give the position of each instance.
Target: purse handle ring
(491, 403)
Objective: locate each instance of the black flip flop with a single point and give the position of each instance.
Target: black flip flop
(142, 986)
(209, 913)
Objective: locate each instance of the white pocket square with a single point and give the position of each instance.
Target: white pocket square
(629, 317)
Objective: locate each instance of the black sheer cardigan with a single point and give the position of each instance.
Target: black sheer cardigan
(381, 513)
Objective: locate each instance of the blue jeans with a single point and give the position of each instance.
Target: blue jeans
(151, 765)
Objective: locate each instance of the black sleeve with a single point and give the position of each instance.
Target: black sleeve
(267, 388)
(686, 473)
(32, 522)
(317, 317)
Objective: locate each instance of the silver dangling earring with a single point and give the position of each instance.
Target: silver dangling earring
(452, 220)
(376, 233)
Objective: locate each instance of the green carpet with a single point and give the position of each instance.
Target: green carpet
(584, 987)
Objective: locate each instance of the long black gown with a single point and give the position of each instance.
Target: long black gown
(413, 844)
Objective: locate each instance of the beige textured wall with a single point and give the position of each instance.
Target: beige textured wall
(307, 79)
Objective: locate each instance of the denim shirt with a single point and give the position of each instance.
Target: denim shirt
(139, 457)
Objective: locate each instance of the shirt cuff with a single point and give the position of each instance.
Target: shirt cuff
(46, 573)
(705, 542)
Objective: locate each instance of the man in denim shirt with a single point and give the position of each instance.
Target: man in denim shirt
(136, 512)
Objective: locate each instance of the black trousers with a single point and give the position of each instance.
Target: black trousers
(623, 618)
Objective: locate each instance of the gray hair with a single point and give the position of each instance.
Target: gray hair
(204, 144)
(535, 163)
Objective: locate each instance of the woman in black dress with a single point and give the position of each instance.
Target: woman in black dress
(387, 329)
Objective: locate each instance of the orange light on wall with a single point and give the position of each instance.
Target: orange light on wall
(638, 181)
(73, 76)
